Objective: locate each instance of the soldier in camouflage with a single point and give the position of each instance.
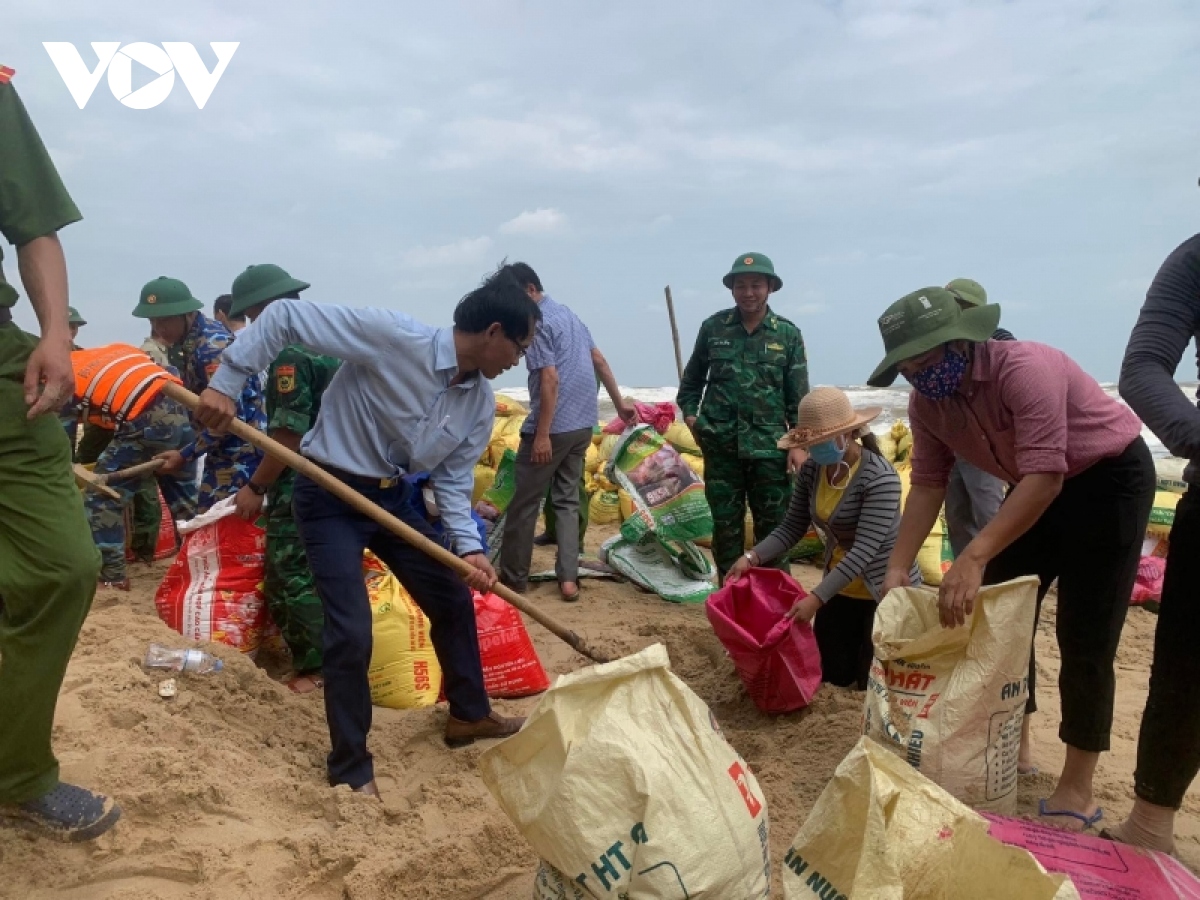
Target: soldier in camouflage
(229, 461)
(163, 426)
(296, 380)
(739, 394)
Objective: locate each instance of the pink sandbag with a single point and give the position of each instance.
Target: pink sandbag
(1100, 869)
(777, 658)
(660, 415)
(1147, 588)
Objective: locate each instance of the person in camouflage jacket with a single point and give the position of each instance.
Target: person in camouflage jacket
(296, 380)
(739, 394)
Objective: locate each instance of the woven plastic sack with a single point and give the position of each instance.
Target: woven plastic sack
(500, 493)
(622, 781)
(882, 831)
(950, 701)
(213, 589)
(668, 497)
(678, 572)
(404, 671)
(511, 667)
(776, 657)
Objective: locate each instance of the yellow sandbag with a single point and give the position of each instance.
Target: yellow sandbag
(604, 508)
(882, 831)
(404, 671)
(591, 462)
(679, 436)
(695, 463)
(935, 556)
(626, 504)
(507, 406)
(600, 480)
(484, 478)
(607, 445)
(1162, 515)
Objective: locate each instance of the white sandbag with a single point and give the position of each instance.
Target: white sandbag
(882, 831)
(622, 781)
(950, 701)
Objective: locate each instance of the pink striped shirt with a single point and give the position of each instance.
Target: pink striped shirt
(1024, 409)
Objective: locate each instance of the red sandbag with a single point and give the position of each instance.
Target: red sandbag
(660, 415)
(1148, 586)
(166, 531)
(777, 659)
(511, 667)
(213, 590)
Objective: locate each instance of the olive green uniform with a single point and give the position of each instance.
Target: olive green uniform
(297, 379)
(48, 563)
(744, 390)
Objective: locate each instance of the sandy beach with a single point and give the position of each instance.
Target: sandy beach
(224, 790)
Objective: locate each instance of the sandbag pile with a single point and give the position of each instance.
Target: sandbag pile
(1169, 487)
(506, 435)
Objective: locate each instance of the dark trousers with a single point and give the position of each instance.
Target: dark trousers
(843, 631)
(1090, 539)
(335, 536)
(1169, 742)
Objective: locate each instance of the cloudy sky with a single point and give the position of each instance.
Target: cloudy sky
(390, 153)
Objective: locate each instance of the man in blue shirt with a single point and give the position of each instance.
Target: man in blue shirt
(564, 364)
(407, 398)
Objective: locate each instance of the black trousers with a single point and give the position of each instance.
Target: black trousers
(335, 536)
(1169, 742)
(1090, 539)
(843, 631)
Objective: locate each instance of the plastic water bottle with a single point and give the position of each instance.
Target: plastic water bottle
(193, 662)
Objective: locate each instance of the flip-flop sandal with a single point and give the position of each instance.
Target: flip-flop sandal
(68, 813)
(569, 598)
(315, 680)
(1086, 821)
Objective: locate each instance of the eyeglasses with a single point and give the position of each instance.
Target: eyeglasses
(520, 350)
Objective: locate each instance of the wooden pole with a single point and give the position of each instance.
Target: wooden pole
(347, 494)
(674, 333)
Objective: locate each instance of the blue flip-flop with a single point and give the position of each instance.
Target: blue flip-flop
(1086, 821)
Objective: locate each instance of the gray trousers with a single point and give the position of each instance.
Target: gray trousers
(973, 498)
(562, 475)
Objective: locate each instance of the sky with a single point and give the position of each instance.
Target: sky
(393, 153)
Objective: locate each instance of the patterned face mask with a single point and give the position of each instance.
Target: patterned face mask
(941, 380)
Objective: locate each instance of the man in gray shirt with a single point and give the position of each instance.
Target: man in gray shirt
(407, 398)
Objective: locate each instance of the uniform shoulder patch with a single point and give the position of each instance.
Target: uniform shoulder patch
(6, 74)
(285, 379)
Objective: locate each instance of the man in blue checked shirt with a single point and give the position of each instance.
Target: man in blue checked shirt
(407, 398)
(564, 365)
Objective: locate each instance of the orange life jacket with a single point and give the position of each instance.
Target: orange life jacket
(116, 383)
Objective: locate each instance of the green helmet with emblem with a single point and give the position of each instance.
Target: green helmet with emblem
(74, 318)
(164, 297)
(754, 264)
(261, 283)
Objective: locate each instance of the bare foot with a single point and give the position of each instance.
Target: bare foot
(306, 684)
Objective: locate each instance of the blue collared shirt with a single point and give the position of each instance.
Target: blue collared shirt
(562, 341)
(390, 408)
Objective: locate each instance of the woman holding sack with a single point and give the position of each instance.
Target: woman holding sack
(851, 493)
(1028, 414)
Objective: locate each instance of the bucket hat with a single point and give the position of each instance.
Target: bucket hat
(754, 264)
(924, 319)
(968, 291)
(74, 318)
(164, 297)
(824, 413)
(259, 284)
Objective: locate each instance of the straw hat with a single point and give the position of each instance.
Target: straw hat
(825, 412)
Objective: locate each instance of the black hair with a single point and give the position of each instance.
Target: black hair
(499, 299)
(223, 304)
(871, 442)
(524, 274)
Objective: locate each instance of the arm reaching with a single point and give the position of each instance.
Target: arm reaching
(605, 373)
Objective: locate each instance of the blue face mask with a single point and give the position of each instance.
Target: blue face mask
(827, 453)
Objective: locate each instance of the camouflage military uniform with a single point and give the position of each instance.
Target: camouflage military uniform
(229, 461)
(295, 383)
(162, 426)
(750, 385)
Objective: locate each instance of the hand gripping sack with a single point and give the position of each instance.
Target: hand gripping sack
(882, 831)
(511, 667)
(213, 590)
(622, 781)
(776, 658)
(950, 701)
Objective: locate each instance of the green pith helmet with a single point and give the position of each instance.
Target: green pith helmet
(74, 318)
(261, 283)
(166, 297)
(968, 291)
(754, 264)
(924, 319)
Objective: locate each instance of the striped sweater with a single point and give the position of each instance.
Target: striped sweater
(864, 523)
